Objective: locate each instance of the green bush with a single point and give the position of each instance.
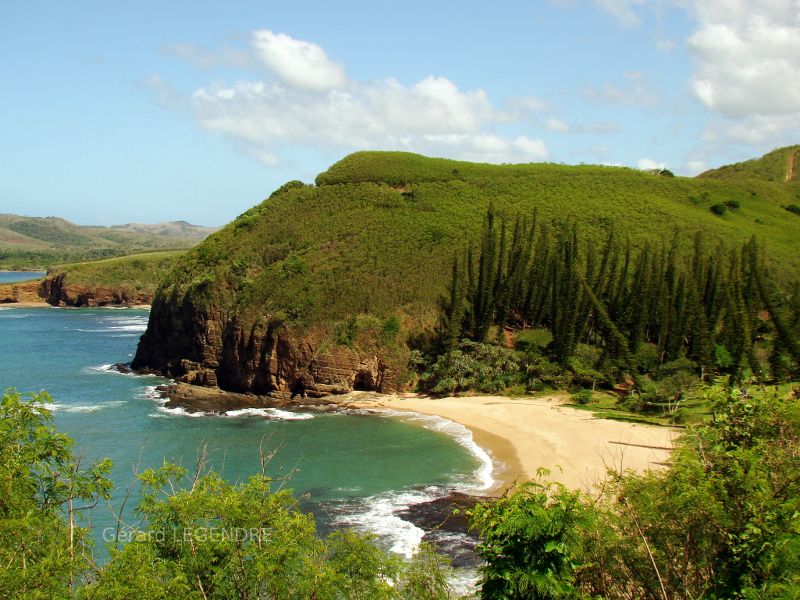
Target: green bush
(793, 208)
(345, 332)
(473, 366)
(582, 397)
(718, 209)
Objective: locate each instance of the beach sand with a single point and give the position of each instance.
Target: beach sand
(24, 304)
(525, 434)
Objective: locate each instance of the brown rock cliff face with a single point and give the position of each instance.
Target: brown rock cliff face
(203, 347)
(27, 292)
(56, 292)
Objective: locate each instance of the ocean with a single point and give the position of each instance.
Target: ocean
(353, 468)
(17, 276)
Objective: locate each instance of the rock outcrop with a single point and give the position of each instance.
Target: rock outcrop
(26, 292)
(57, 292)
(204, 348)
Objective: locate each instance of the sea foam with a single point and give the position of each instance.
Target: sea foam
(84, 408)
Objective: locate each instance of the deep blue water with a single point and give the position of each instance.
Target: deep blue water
(356, 468)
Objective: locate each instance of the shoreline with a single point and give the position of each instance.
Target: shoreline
(519, 435)
(25, 304)
(525, 434)
(44, 304)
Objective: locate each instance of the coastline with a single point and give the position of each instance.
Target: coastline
(44, 304)
(24, 304)
(523, 435)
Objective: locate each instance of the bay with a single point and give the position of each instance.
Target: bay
(351, 468)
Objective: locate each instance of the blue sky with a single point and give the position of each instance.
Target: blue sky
(120, 112)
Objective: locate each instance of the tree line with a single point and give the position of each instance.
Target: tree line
(716, 306)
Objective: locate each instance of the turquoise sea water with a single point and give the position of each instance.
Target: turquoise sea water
(356, 469)
(15, 276)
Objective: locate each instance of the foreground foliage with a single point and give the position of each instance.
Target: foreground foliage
(194, 535)
(722, 521)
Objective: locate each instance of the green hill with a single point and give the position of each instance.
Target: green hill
(779, 166)
(374, 240)
(131, 279)
(39, 242)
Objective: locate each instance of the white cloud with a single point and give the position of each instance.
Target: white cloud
(163, 91)
(298, 63)
(556, 125)
(747, 60)
(695, 167)
(648, 164)
(623, 10)
(313, 104)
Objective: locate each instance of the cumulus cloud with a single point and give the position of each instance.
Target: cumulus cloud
(432, 116)
(747, 71)
(298, 63)
(747, 56)
(311, 102)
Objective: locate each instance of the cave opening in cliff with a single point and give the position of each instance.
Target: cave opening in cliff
(363, 382)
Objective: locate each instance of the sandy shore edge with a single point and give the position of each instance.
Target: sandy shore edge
(525, 434)
(24, 304)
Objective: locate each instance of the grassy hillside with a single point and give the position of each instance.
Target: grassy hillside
(36, 242)
(379, 230)
(772, 167)
(140, 272)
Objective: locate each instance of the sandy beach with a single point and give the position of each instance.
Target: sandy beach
(525, 434)
(24, 304)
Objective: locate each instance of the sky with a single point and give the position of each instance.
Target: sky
(115, 112)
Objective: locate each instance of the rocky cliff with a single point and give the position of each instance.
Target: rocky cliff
(26, 292)
(57, 292)
(209, 348)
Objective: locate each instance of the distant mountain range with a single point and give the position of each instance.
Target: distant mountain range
(39, 242)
